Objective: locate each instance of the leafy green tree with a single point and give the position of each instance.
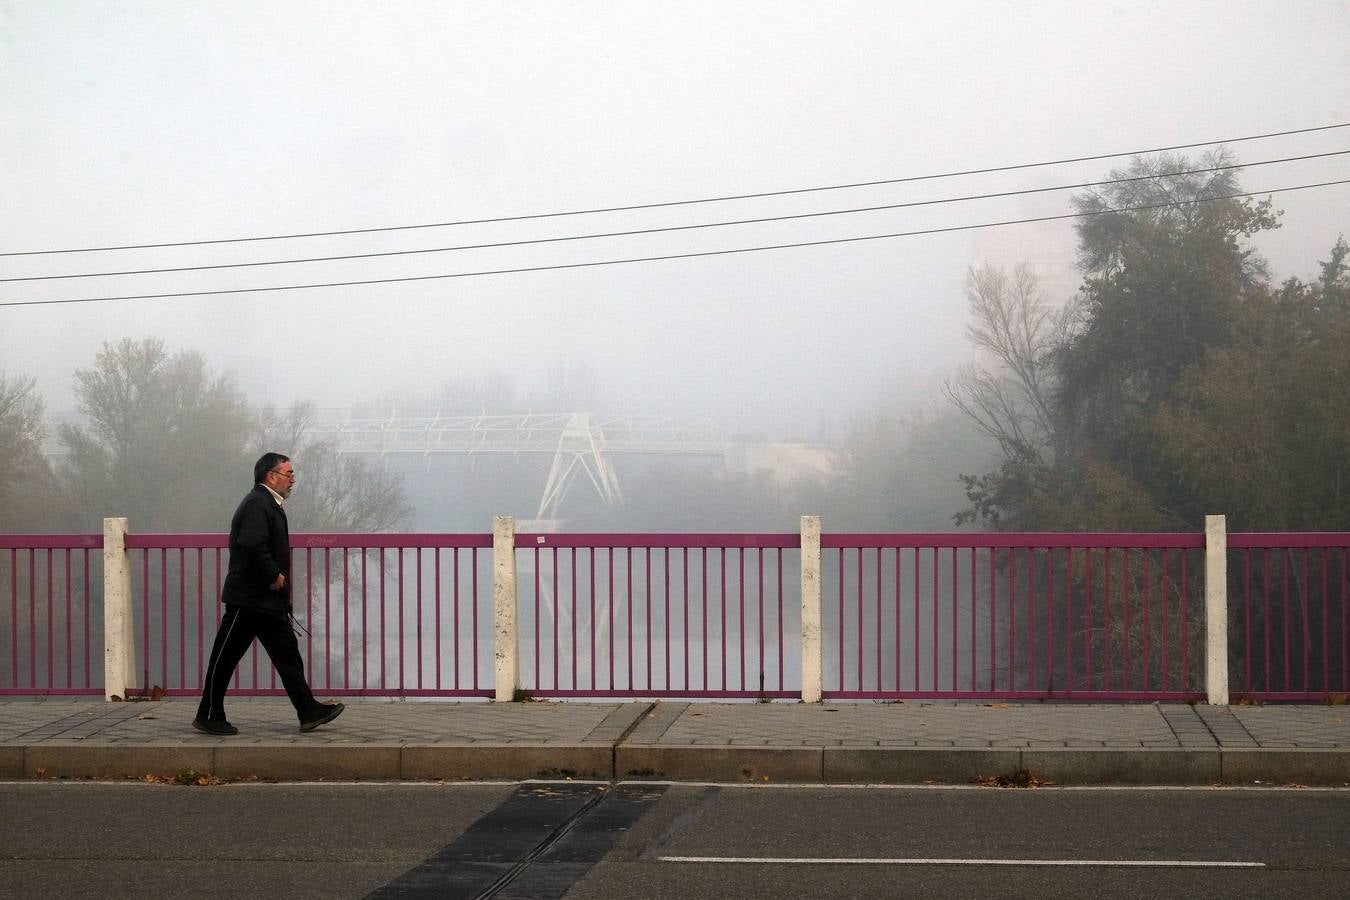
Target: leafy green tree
(1166, 272)
(1259, 428)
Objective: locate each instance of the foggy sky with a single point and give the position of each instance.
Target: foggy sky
(151, 122)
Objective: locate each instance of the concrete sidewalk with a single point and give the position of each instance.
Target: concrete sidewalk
(911, 742)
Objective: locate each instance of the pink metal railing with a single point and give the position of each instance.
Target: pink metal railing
(1074, 616)
(1289, 615)
(381, 614)
(659, 615)
(51, 614)
(1025, 616)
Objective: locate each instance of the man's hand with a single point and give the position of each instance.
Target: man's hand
(279, 582)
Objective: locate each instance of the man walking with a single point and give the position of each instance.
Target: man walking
(257, 598)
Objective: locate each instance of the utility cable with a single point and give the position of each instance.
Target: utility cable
(672, 228)
(640, 259)
(718, 199)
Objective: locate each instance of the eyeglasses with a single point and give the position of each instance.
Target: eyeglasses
(290, 475)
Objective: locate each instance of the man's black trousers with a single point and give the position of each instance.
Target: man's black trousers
(238, 628)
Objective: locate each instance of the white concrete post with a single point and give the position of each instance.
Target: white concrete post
(119, 638)
(811, 644)
(1216, 610)
(504, 605)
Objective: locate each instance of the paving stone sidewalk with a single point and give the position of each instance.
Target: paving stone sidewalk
(831, 742)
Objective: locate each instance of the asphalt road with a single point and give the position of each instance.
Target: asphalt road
(75, 840)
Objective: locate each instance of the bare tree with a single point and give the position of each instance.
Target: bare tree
(337, 492)
(1010, 396)
(24, 477)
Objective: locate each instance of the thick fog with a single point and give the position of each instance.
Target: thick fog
(149, 123)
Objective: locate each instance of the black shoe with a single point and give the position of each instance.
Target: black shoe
(214, 726)
(321, 715)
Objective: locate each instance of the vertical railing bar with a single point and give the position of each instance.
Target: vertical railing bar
(384, 615)
(365, 620)
(842, 683)
(557, 608)
(1286, 561)
(1125, 600)
(88, 610)
(1148, 601)
(1087, 622)
(473, 616)
(722, 583)
(898, 614)
(684, 591)
(609, 561)
(956, 623)
(346, 618)
(1030, 681)
(974, 616)
(937, 636)
(538, 620)
(666, 626)
(145, 609)
(14, 611)
(1106, 586)
(1326, 621)
(879, 618)
(1345, 620)
(1247, 618)
(1012, 618)
(51, 626)
(993, 618)
(1049, 619)
(591, 562)
(860, 644)
(740, 606)
(759, 558)
(1166, 631)
(1307, 632)
(182, 620)
(402, 633)
(1068, 618)
(573, 555)
(779, 554)
(629, 604)
(1185, 622)
(418, 574)
(918, 593)
(1307, 628)
(435, 633)
(648, 600)
(436, 603)
(70, 620)
(1265, 565)
(704, 570)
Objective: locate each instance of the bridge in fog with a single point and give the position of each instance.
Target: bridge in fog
(583, 446)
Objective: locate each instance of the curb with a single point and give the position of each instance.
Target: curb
(682, 762)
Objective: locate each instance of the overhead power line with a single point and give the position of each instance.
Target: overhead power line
(670, 203)
(673, 228)
(671, 256)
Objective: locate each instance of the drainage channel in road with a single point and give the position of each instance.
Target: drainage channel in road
(538, 842)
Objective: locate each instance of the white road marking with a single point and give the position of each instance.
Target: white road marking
(899, 861)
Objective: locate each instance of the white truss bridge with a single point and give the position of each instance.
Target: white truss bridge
(580, 443)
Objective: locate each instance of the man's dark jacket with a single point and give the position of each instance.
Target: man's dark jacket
(260, 549)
